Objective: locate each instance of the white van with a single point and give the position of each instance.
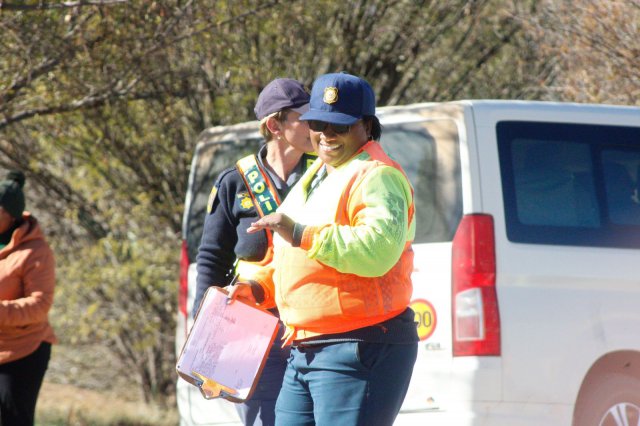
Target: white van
(527, 260)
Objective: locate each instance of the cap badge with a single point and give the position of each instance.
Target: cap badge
(330, 95)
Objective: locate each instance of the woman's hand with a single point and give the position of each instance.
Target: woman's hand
(243, 291)
(277, 222)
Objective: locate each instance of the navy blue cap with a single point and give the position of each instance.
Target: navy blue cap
(281, 93)
(340, 98)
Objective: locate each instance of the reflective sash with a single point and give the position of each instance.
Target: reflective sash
(264, 197)
(261, 190)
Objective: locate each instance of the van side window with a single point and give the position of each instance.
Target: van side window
(429, 154)
(554, 184)
(621, 169)
(570, 184)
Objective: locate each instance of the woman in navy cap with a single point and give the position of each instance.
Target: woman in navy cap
(341, 271)
(233, 206)
(27, 281)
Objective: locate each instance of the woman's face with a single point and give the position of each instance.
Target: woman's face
(296, 132)
(335, 149)
(6, 221)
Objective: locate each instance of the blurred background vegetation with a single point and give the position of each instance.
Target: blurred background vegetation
(101, 102)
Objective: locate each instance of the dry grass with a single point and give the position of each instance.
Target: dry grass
(86, 386)
(69, 405)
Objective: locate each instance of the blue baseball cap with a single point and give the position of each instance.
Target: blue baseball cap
(340, 98)
(279, 94)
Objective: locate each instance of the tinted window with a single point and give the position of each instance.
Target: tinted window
(429, 154)
(570, 184)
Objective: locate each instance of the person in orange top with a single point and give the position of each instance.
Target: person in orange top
(341, 271)
(27, 281)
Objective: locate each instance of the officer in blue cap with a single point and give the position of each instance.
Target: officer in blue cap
(341, 269)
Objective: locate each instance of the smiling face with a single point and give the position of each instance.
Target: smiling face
(336, 149)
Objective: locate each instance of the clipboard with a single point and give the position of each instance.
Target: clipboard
(227, 347)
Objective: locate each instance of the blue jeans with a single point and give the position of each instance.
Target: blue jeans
(349, 383)
(259, 410)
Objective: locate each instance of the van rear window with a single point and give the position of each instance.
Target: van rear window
(570, 184)
(429, 153)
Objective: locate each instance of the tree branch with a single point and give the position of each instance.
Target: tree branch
(89, 101)
(61, 5)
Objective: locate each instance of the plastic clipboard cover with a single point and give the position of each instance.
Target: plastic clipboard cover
(227, 347)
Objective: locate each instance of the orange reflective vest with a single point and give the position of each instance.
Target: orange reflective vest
(353, 268)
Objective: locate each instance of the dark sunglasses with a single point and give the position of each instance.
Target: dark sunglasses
(321, 126)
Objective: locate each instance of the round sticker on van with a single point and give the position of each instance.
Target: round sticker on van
(425, 317)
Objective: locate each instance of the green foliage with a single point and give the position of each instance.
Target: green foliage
(121, 293)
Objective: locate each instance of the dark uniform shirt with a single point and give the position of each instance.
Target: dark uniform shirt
(224, 236)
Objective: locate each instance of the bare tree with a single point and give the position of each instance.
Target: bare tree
(595, 47)
(65, 4)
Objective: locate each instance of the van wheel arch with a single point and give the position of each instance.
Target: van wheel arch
(612, 382)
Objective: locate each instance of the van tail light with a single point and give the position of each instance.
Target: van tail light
(476, 319)
(184, 283)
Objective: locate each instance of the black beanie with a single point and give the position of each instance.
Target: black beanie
(11, 195)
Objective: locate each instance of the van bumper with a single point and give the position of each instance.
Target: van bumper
(196, 411)
(490, 414)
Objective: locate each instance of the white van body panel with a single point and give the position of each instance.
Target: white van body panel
(560, 297)
(566, 311)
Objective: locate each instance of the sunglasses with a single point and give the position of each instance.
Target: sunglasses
(321, 126)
